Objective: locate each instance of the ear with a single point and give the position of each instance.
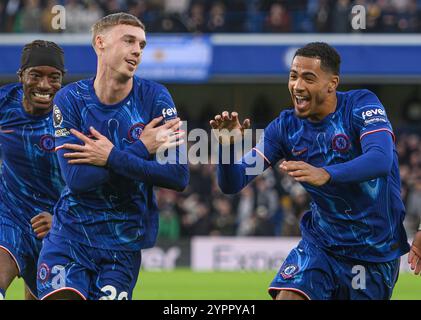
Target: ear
(99, 42)
(333, 84)
(20, 75)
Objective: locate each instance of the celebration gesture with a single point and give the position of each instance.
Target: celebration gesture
(96, 151)
(227, 127)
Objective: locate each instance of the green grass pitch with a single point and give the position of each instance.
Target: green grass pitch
(183, 284)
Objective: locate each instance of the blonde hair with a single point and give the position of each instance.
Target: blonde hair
(114, 20)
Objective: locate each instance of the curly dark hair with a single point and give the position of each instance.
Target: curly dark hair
(329, 57)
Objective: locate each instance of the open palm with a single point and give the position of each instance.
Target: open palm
(227, 127)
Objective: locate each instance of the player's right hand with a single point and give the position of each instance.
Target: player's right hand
(162, 137)
(227, 127)
(41, 224)
(414, 256)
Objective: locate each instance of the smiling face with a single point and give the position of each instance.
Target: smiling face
(40, 84)
(312, 89)
(120, 49)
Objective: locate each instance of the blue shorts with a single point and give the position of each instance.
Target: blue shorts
(23, 247)
(92, 273)
(318, 275)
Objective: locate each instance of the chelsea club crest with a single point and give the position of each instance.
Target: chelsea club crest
(341, 143)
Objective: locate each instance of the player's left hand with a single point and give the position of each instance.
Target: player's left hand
(95, 151)
(304, 172)
(41, 224)
(414, 256)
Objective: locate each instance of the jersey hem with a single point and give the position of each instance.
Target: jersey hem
(289, 288)
(62, 289)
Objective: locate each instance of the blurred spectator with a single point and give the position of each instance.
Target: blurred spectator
(74, 16)
(341, 16)
(407, 17)
(29, 18)
(196, 21)
(224, 221)
(176, 6)
(169, 224)
(47, 17)
(92, 13)
(2, 16)
(389, 18)
(373, 11)
(278, 19)
(413, 208)
(217, 21)
(322, 19)
(245, 212)
(10, 13)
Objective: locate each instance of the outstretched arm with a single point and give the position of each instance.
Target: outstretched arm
(235, 175)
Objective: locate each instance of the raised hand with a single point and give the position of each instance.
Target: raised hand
(227, 127)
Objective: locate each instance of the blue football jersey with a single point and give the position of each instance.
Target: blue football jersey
(361, 221)
(30, 180)
(116, 212)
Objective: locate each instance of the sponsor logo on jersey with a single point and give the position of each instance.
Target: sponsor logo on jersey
(289, 271)
(374, 120)
(43, 272)
(373, 112)
(47, 142)
(135, 131)
(5, 130)
(297, 153)
(169, 113)
(341, 143)
(57, 117)
(62, 133)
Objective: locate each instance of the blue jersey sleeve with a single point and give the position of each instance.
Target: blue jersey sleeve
(78, 178)
(376, 161)
(173, 174)
(234, 176)
(369, 115)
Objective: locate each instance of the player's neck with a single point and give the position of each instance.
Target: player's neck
(328, 107)
(30, 109)
(111, 90)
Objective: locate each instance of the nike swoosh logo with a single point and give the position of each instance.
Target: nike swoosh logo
(6, 131)
(298, 152)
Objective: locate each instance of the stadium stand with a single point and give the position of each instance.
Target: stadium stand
(218, 16)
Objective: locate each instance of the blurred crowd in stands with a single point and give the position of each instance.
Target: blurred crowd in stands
(211, 16)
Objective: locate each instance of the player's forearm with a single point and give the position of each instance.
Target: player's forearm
(376, 161)
(232, 176)
(138, 149)
(172, 175)
(81, 178)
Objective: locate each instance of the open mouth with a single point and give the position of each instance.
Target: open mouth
(302, 102)
(42, 96)
(133, 63)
